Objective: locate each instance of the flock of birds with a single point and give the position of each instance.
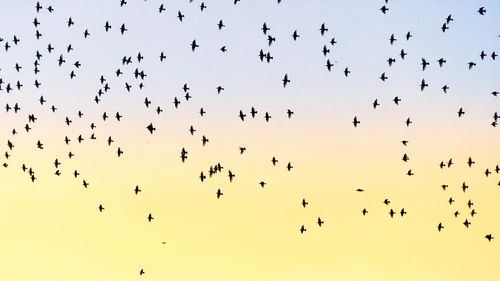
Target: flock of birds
(59, 54)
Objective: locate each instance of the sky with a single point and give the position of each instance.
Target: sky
(52, 228)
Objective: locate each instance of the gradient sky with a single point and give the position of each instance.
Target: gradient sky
(52, 229)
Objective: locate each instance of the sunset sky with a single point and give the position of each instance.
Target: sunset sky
(52, 229)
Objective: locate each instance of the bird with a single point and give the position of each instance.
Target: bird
(470, 162)
(150, 128)
(329, 65)
(119, 152)
(242, 150)
(323, 29)
(383, 77)
(482, 11)
(424, 63)
(303, 229)
(194, 45)
(408, 122)
(274, 161)
(320, 222)
(355, 121)
(231, 176)
(467, 223)
(137, 190)
(440, 227)
(423, 85)
(444, 27)
(392, 39)
(346, 72)
(285, 80)
(161, 8)
(392, 213)
(220, 25)
(304, 203)
(123, 29)
(408, 36)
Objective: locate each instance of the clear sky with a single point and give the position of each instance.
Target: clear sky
(52, 228)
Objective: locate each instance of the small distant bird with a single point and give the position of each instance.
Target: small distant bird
(304, 203)
(150, 128)
(285, 80)
(355, 121)
(440, 227)
(303, 229)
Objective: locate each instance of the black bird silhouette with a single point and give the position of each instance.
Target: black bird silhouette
(150, 128)
(323, 29)
(329, 65)
(449, 19)
(304, 203)
(423, 85)
(408, 36)
(355, 121)
(161, 8)
(107, 26)
(392, 39)
(285, 80)
(440, 227)
(180, 16)
(346, 71)
(264, 28)
(460, 112)
(123, 29)
(392, 213)
(194, 45)
(137, 190)
(303, 229)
